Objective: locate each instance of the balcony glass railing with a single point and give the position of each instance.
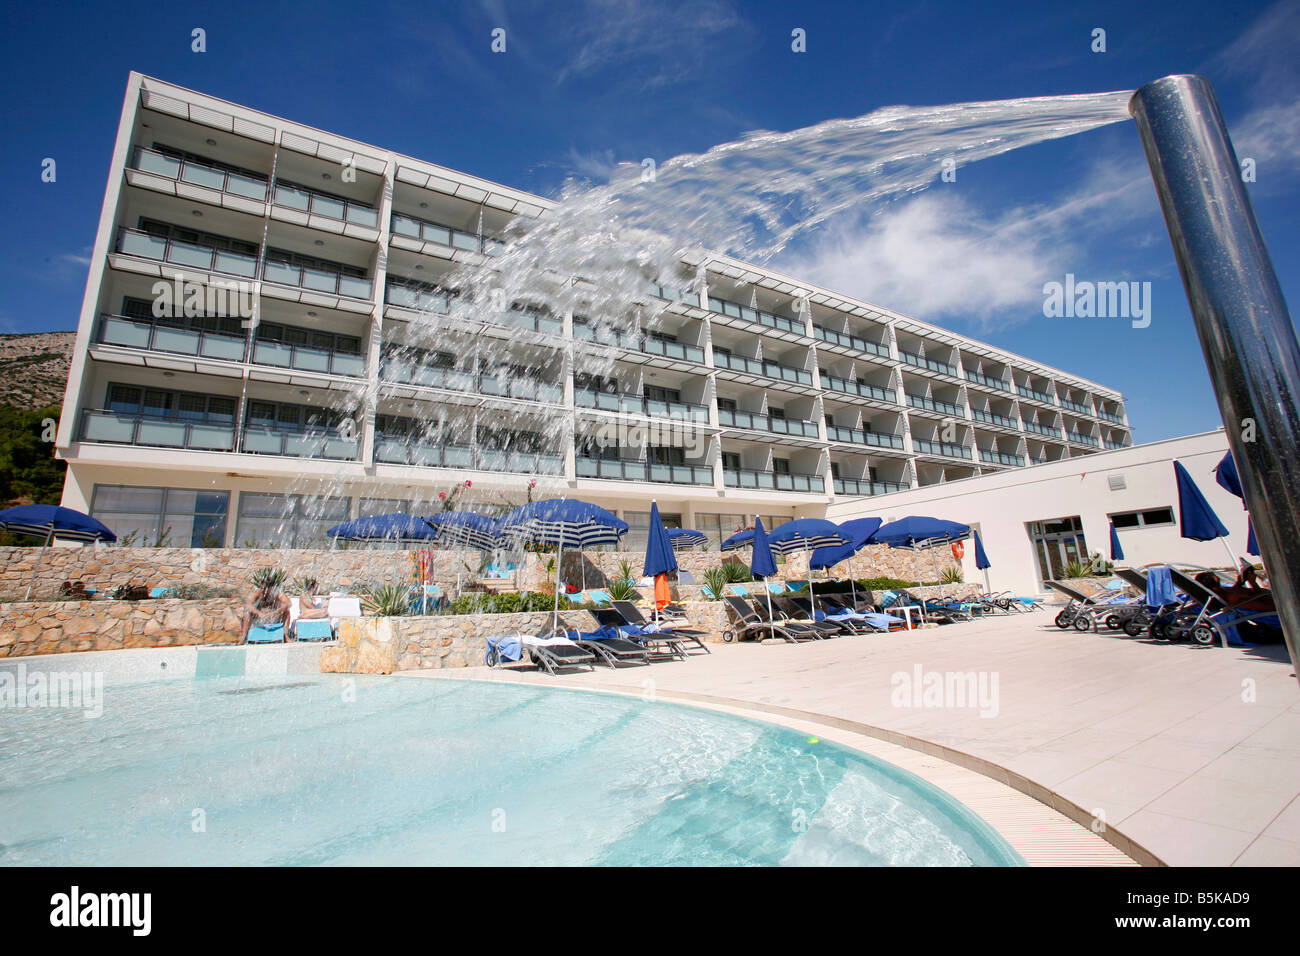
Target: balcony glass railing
(672, 350)
(639, 405)
(615, 338)
(766, 423)
(197, 174)
(1076, 407)
(621, 470)
(758, 316)
(857, 436)
(330, 207)
(933, 405)
(1025, 392)
(307, 359)
(1043, 429)
(405, 372)
(1112, 444)
(923, 446)
(770, 369)
(157, 431)
(1110, 417)
(261, 439)
(1080, 439)
(851, 341)
(919, 361)
(856, 486)
(988, 381)
(145, 334)
(133, 242)
(992, 418)
(318, 280)
(414, 297)
(397, 450)
(426, 231)
(528, 320)
(772, 481)
(674, 295)
(861, 389)
(1000, 458)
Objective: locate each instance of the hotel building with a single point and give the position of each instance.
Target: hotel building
(201, 429)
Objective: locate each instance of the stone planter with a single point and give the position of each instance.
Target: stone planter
(366, 645)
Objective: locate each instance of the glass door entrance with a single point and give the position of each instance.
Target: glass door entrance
(1056, 544)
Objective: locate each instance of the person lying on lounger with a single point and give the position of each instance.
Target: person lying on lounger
(266, 607)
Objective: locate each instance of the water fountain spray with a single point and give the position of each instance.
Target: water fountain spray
(1245, 329)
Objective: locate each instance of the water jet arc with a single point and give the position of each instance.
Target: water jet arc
(1245, 329)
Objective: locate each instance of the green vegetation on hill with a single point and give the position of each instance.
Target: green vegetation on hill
(29, 472)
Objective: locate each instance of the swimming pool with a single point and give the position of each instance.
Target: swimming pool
(313, 770)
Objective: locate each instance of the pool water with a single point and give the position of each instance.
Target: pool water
(311, 770)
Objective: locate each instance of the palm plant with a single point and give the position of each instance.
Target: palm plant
(621, 589)
(269, 577)
(951, 576)
(386, 600)
(715, 580)
(735, 571)
(1075, 569)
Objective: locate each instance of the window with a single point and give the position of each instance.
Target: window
(366, 507)
(778, 413)
(731, 460)
(781, 466)
(658, 394)
(287, 521)
(835, 469)
(726, 404)
(665, 456)
(159, 517)
(719, 527)
(1152, 517)
(208, 240)
(182, 406)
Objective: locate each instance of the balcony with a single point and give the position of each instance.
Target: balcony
(991, 418)
(426, 231)
(1000, 458)
(773, 481)
(1076, 407)
(672, 350)
(1080, 439)
(119, 428)
(933, 405)
(419, 298)
(401, 372)
(317, 280)
(612, 337)
(261, 439)
(528, 319)
(861, 389)
(757, 316)
(673, 295)
(862, 487)
(330, 207)
(638, 405)
(398, 450)
(622, 470)
(133, 242)
(918, 361)
(1025, 392)
(307, 359)
(766, 423)
(924, 447)
(1043, 430)
(1111, 444)
(135, 333)
(857, 436)
(850, 341)
(198, 174)
(770, 369)
(1110, 417)
(987, 381)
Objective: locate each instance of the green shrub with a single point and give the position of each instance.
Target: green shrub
(389, 600)
(1075, 569)
(275, 577)
(199, 592)
(951, 576)
(507, 602)
(715, 579)
(622, 590)
(735, 572)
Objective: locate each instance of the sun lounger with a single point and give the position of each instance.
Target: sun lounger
(746, 622)
(662, 643)
(610, 646)
(835, 610)
(266, 634)
(547, 653)
(632, 615)
(800, 610)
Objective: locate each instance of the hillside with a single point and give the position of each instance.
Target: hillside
(34, 368)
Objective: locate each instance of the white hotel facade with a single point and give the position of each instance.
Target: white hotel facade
(209, 431)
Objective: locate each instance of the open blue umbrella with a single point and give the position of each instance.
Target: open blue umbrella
(1196, 519)
(806, 534)
(762, 565)
(466, 528)
(563, 522)
(50, 522)
(390, 527)
(859, 532)
(741, 539)
(1116, 552)
(683, 539)
(918, 531)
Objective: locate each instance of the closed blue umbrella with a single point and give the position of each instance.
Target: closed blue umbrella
(659, 555)
(762, 565)
(1196, 519)
(1225, 473)
(683, 539)
(1252, 546)
(563, 522)
(50, 522)
(982, 562)
(806, 534)
(1116, 552)
(466, 528)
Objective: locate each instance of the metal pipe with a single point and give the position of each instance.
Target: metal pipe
(1245, 329)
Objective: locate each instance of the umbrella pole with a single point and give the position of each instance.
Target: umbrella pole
(812, 598)
(1231, 557)
(559, 573)
(771, 621)
(39, 559)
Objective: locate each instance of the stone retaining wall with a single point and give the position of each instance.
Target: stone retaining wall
(59, 627)
(107, 567)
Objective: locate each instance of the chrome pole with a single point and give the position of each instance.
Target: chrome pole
(1245, 329)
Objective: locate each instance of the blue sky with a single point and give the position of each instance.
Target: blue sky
(585, 85)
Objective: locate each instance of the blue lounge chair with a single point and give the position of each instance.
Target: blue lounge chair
(316, 629)
(267, 634)
(159, 592)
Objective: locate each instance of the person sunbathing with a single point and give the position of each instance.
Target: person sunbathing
(312, 605)
(266, 607)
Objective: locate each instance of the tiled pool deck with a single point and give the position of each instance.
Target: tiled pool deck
(1192, 753)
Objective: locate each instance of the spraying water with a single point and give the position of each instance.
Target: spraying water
(595, 254)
